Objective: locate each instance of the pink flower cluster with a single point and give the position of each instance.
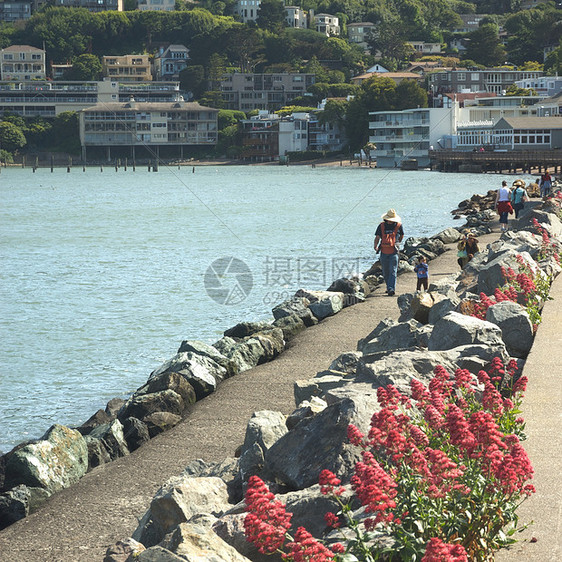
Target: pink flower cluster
(439, 551)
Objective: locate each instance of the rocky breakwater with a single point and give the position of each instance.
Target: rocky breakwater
(200, 513)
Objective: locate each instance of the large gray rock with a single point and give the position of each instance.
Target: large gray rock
(113, 439)
(142, 405)
(157, 554)
(515, 325)
(202, 348)
(490, 275)
(315, 444)
(393, 336)
(421, 305)
(55, 462)
(135, 432)
(19, 502)
(448, 236)
(548, 221)
(323, 303)
(444, 285)
(169, 380)
(158, 422)
(176, 502)
(456, 329)
(245, 329)
(97, 453)
(264, 428)
(295, 305)
(202, 372)
(442, 307)
(196, 542)
(291, 325)
(254, 350)
(121, 550)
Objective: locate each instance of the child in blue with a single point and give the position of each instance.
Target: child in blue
(422, 269)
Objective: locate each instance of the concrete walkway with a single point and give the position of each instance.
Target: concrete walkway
(78, 524)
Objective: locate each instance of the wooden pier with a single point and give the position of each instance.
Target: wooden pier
(497, 161)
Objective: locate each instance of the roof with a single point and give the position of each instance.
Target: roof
(23, 48)
(533, 122)
(148, 106)
(469, 95)
(361, 24)
(392, 75)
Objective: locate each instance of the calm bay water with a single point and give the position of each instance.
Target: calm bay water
(102, 274)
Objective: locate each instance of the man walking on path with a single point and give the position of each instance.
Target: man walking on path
(387, 237)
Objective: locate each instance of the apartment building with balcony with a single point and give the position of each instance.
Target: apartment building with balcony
(22, 62)
(465, 80)
(260, 138)
(131, 68)
(402, 135)
(48, 99)
(249, 91)
(147, 125)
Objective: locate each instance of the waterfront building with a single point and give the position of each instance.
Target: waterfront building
(131, 68)
(402, 135)
(260, 138)
(511, 133)
(22, 62)
(466, 80)
(169, 62)
(550, 107)
(148, 125)
(48, 99)
(247, 91)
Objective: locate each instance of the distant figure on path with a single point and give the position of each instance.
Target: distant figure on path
(503, 205)
(387, 237)
(545, 185)
(471, 246)
(518, 197)
(422, 270)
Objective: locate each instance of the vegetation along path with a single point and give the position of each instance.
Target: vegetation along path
(79, 523)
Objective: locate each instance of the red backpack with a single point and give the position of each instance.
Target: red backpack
(388, 239)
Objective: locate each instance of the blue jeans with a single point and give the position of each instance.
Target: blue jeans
(389, 264)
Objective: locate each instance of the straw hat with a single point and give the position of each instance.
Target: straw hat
(391, 216)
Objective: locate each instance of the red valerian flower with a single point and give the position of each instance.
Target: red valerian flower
(266, 522)
(305, 548)
(439, 551)
(330, 483)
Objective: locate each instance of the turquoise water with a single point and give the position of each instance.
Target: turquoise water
(102, 274)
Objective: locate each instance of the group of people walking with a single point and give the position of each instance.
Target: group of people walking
(390, 233)
(510, 200)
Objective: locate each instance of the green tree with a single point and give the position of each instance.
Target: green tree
(271, 15)
(65, 134)
(192, 79)
(84, 67)
(388, 38)
(334, 112)
(229, 117)
(485, 47)
(553, 63)
(376, 94)
(11, 137)
(409, 95)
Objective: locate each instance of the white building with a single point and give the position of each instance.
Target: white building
(425, 48)
(358, 33)
(247, 10)
(402, 135)
(22, 62)
(296, 17)
(153, 125)
(327, 24)
(293, 133)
